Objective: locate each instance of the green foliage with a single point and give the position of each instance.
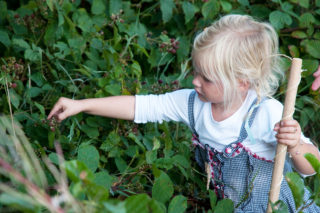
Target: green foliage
(95, 48)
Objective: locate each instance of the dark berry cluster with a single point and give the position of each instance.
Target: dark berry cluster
(33, 22)
(161, 87)
(116, 18)
(15, 69)
(170, 47)
(51, 124)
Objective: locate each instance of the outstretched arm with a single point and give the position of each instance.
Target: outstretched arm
(289, 134)
(121, 107)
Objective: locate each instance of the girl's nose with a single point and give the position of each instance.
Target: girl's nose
(196, 81)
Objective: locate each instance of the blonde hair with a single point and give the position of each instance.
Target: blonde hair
(238, 48)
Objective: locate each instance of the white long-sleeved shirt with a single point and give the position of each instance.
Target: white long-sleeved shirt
(173, 106)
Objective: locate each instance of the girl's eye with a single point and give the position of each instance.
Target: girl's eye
(205, 79)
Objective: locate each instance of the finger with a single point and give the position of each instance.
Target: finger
(276, 126)
(288, 129)
(287, 142)
(55, 110)
(317, 73)
(287, 136)
(61, 116)
(316, 84)
(288, 123)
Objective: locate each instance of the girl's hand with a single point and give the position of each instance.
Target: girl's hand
(288, 133)
(316, 82)
(64, 108)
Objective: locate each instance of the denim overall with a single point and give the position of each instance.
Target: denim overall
(240, 175)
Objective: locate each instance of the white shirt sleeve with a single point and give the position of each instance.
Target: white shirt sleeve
(171, 106)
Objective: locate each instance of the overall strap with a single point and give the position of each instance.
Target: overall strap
(190, 112)
(245, 128)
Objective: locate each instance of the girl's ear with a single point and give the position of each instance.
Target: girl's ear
(244, 85)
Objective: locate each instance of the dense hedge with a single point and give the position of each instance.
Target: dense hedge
(95, 48)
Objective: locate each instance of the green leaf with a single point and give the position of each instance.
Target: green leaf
(3, 11)
(34, 92)
(299, 34)
(313, 48)
(166, 163)
(260, 11)
(224, 206)
(178, 204)
(96, 192)
(92, 132)
(74, 168)
(121, 164)
(184, 48)
(166, 7)
(294, 51)
(50, 4)
(118, 207)
(286, 6)
(136, 69)
(213, 199)
(14, 98)
(156, 143)
(157, 207)
(310, 65)
(136, 140)
(63, 49)
(92, 121)
(89, 155)
(41, 108)
(32, 55)
(38, 78)
(51, 137)
(162, 189)
(279, 207)
(54, 158)
(21, 43)
(103, 179)
(314, 162)
(316, 35)
(279, 19)
(98, 7)
(83, 20)
(189, 10)
(4, 38)
(210, 9)
(113, 89)
(304, 3)
(226, 6)
(297, 187)
(115, 6)
(151, 156)
(306, 20)
(244, 2)
(181, 160)
(138, 203)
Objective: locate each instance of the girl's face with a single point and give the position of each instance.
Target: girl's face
(207, 90)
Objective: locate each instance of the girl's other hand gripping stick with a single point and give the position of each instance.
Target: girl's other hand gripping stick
(288, 133)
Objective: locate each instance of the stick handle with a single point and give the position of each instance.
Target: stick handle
(288, 110)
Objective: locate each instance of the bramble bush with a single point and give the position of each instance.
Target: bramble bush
(94, 48)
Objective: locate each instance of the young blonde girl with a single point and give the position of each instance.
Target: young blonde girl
(235, 122)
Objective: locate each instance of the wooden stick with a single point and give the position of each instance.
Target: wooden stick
(288, 110)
